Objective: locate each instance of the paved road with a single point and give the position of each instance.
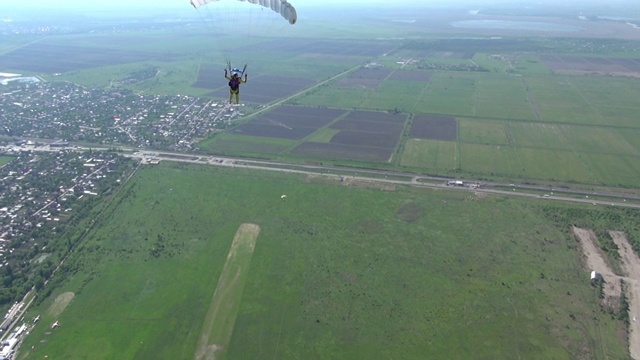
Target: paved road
(392, 177)
(629, 198)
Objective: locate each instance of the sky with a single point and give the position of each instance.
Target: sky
(83, 5)
(155, 3)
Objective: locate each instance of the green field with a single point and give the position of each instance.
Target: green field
(221, 317)
(432, 153)
(538, 135)
(201, 262)
(395, 94)
(482, 131)
(502, 97)
(492, 159)
(449, 93)
(514, 102)
(338, 272)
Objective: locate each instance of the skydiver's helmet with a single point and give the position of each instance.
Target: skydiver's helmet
(236, 71)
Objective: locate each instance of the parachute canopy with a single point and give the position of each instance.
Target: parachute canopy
(281, 7)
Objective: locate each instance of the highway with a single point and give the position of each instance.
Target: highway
(546, 193)
(628, 198)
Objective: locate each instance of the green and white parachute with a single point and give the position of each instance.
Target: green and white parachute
(281, 7)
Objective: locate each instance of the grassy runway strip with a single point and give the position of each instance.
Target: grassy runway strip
(218, 325)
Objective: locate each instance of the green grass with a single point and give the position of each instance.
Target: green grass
(530, 64)
(449, 93)
(597, 140)
(490, 159)
(395, 95)
(338, 272)
(616, 170)
(491, 63)
(632, 137)
(568, 153)
(173, 77)
(566, 166)
(538, 135)
(559, 100)
(502, 97)
(323, 135)
(482, 131)
(431, 154)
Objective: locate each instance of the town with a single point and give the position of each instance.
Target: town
(41, 192)
(111, 116)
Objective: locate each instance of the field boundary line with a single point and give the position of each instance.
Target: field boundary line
(301, 92)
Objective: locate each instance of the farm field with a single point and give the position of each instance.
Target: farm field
(200, 262)
(525, 104)
(337, 271)
(432, 153)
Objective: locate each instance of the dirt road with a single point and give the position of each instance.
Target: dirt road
(630, 263)
(595, 260)
(631, 267)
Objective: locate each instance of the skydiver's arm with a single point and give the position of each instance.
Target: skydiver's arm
(228, 77)
(245, 79)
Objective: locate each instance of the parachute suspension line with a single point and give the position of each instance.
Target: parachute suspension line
(210, 33)
(237, 24)
(218, 19)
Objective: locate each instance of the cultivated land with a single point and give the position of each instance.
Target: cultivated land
(354, 269)
(512, 99)
(339, 270)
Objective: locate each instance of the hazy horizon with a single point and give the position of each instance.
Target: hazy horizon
(175, 4)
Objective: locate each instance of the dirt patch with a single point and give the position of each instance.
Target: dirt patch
(595, 261)
(324, 179)
(41, 258)
(480, 195)
(60, 303)
(207, 352)
(368, 184)
(349, 181)
(368, 227)
(221, 316)
(410, 212)
(630, 263)
(631, 268)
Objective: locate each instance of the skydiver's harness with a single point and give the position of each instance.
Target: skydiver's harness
(234, 84)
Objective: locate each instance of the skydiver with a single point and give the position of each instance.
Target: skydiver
(234, 85)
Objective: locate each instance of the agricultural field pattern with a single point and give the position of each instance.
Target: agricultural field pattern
(401, 182)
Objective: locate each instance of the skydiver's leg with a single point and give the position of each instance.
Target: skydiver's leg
(238, 97)
(230, 96)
